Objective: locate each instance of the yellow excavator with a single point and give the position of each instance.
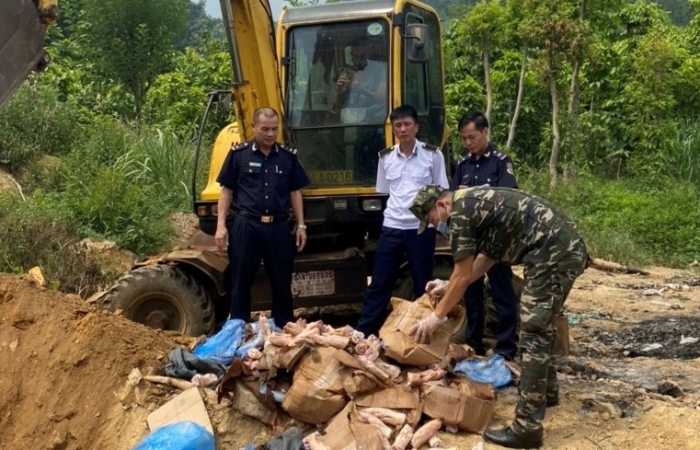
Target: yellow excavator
(294, 69)
(23, 26)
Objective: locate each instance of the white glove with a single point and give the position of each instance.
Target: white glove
(436, 288)
(423, 330)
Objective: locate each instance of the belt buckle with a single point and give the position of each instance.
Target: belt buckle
(266, 219)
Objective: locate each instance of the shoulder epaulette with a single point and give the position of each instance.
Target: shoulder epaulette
(432, 148)
(499, 155)
(386, 151)
(239, 146)
(464, 158)
(289, 149)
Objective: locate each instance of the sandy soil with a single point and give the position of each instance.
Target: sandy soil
(65, 368)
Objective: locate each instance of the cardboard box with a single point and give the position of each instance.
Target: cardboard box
(402, 348)
(357, 383)
(393, 398)
(457, 408)
(398, 398)
(187, 406)
(317, 392)
(346, 432)
(561, 344)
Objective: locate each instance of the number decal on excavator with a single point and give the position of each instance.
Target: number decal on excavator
(331, 177)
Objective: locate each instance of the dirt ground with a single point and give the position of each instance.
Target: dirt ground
(629, 383)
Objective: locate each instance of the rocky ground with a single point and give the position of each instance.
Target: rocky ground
(629, 382)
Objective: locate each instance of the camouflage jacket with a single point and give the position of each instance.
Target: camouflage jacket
(508, 226)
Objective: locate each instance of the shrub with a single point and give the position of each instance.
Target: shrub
(630, 221)
(33, 123)
(31, 236)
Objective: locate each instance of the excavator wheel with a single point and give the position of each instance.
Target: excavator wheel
(162, 297)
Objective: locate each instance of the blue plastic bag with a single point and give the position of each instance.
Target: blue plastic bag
(222, 346)
(178, 436)
(492, 370)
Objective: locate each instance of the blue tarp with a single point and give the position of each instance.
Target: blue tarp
(492, 370)
(216, 354)
(178, 436)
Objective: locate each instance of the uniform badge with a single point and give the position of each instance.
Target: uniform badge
(509, 168)
(254, 164)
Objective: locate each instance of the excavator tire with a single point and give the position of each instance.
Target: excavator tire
(162, 297)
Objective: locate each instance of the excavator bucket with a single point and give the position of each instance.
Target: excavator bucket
(21, 44)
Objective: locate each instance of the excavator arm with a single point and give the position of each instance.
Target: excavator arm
(23, 26)
(251, 38)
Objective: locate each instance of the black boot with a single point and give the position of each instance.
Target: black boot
(552, 399)
(508, 437)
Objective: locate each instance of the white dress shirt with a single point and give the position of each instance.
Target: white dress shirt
(401, 177)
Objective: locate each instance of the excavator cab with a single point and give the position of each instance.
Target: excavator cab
(22, 27)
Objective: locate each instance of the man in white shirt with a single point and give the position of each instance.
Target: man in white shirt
(403, 169)
(365, 86)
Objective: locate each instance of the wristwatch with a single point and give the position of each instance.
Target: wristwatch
(302, 226)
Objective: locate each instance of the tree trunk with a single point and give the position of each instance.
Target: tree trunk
(573, 98)
(554, 157)
(572, 111)
(487, 81)
(518, 101)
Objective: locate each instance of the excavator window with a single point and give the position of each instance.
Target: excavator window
(337, 99)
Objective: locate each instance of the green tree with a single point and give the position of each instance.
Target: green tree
(483, 27)
(132, 41)
(200, 27)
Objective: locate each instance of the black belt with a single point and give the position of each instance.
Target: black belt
(261, 219)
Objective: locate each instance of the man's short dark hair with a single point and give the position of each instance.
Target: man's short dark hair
(480, 121)
(404, 111)
(264, 111)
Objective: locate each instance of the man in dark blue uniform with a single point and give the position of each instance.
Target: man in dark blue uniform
(484, 165)
(260, 180)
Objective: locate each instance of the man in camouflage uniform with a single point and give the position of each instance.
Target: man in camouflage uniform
(489, 225)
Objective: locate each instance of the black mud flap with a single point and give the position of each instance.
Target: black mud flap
(21, 44)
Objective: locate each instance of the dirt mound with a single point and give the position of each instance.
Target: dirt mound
(64, 365)
(65, 369)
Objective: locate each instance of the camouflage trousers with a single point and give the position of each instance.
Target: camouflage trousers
(549, 275)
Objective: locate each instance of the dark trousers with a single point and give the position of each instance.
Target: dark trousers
(392, 246)
(500, 282)
(249, 241)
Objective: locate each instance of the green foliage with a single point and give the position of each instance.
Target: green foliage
(200, 27)
(177, 99)
(33, 123)
(684, 154)
(630, 221)
(32, 236)
(132, 40)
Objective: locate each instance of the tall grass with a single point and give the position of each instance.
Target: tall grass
(684, 155)
(166, 160)
(629, 221)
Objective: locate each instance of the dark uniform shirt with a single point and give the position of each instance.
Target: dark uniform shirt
(261, 184)
(508, 226)
(493, 168)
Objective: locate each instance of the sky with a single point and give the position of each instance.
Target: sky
(213, 7)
